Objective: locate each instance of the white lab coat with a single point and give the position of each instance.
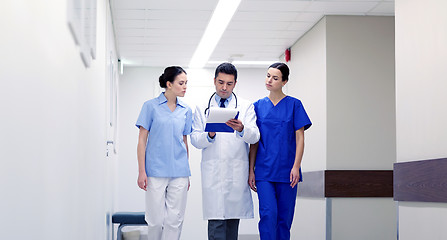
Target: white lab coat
(225, 190)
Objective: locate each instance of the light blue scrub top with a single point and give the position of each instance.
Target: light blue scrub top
(166, 154)
(277, 145)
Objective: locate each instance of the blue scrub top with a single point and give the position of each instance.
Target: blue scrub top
(277, 145)
(166, 154)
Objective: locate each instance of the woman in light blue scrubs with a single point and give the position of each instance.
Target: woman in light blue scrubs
(162, 152)
(275, 161)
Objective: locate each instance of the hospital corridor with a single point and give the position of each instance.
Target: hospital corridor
(371, 75)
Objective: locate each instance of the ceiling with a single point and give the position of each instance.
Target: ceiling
(166, 32)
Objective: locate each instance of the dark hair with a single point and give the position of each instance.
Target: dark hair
(226, 68)
(283, 68)
(169, 75)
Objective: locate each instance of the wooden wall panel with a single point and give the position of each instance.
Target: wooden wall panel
(359, 183)
(421, 181)
(347, 183)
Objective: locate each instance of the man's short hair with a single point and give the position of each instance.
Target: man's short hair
(226, 68)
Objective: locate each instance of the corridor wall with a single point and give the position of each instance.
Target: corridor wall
(343, 71)
(53, 125)
(421, 83)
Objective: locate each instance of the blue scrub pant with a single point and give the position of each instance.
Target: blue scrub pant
(276, 208)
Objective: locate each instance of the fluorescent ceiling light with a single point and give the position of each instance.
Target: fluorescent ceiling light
(222, 15)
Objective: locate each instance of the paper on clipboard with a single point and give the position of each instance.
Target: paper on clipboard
(217, 118)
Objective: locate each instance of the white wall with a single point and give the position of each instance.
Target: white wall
(360, 93)
(139, 84)
(343, 71)
(53, 126)
(421, 56)
(308, 83)
(422, 221)
(309, 221)
(363, 218)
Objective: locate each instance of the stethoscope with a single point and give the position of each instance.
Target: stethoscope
(208, 108)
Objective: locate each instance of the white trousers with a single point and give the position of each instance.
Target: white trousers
(165, 207)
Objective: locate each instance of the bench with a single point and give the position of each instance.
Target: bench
(126, 219)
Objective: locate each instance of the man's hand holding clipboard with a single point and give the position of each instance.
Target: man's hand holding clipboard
(223, 120)
(235, 123)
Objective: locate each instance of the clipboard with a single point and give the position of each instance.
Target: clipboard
(217, 118)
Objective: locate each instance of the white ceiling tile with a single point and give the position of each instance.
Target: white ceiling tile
(126, 24)
(263, 33)
(299, 26)
(129, 14)
(121, 40)
(170, 15)
(273, 7)
(157, 34)
(257, 25)
(254, 42)
(264, 16)
(176, 46)
(161, 33)
(179, 33)
(165, 4)
(130, 32)
(309, 17)
(383, 8)
(174, 25)
(340, 7)
(182, 5)
(158, 40)
(148, 49)
(235, 49)
(128, 4)
(179, 15)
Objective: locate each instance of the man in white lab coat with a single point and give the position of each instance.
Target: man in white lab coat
(225, 191)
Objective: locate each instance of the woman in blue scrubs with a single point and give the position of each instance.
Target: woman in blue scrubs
(275, 161)
(164, 123)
